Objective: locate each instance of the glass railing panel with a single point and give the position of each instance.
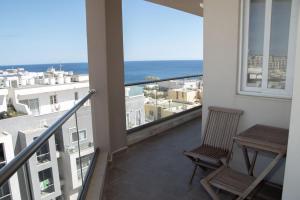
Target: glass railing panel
(84, 141)
(135, 98)
(158, 99)
(58, 167)
(17, 187)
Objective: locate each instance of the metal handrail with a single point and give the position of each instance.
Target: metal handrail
(162, 80)
(12, 167)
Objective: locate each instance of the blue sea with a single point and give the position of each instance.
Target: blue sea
(135, 71)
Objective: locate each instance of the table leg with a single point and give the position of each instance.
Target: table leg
(261, 176)
(246, 157)
(250, 172)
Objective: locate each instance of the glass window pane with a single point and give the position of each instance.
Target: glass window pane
(279, 42)
(256, 42)
(46, 181)
(74, 137)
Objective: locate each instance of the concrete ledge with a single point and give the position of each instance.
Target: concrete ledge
(145, 133)
(96, 186)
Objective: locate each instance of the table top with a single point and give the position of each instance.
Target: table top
(265, 138)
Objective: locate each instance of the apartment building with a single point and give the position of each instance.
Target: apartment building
(3, 102)
(184, 95)
(54, 171)
(135, 111)
(40, 93)
(67, 141)
(41, 99)
(43, 170)
(10, 190)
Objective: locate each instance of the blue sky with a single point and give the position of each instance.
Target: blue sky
(54, 31)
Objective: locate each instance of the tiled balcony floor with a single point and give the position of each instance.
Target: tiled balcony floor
(157, 170)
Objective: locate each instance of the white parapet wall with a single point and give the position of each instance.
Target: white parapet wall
(3, 102)
(65, 97)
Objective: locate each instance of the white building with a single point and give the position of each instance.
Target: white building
(54, 171)
(135, 111)
(45, 99)
(39, 93)
(3, 102)
(9, 190)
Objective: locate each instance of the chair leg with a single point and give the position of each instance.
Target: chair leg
(209, 189)
(194, 172)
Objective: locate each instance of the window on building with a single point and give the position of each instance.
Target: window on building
(128, 120)
(138, 117)
(82, 136)
(182, 95)
(177, 95)
(53, 99)
(268, 47)
(2, 157)
(5, 192)
(46, 181)
(76, 96)
(33, 105)
(4, 189)
(43, 154)
(85, 163)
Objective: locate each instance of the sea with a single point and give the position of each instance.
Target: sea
(135, 71)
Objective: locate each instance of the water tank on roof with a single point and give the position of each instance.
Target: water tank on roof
(46, 81)
(23, 81)
(60, 80)
(6, 83)
(67, 79)
(31, 81)
(52, 81)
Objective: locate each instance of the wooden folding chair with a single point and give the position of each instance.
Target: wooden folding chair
(220, 128)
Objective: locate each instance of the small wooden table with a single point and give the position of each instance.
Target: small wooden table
(257, 138)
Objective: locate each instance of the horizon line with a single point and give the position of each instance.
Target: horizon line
(84, 62)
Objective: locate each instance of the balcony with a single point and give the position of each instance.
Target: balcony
(157, 169)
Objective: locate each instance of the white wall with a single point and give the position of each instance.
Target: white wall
(292, 176)
(6, 140)
(221, 58)
(106, 73)
(65, 99)
(3, 103)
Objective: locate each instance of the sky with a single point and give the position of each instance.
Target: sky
(54, 31)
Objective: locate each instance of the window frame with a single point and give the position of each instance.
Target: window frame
(73, 130)
(76, 96)
(264, 91)
(53, 99)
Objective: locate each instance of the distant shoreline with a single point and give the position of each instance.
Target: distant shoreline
(135, 71)
(20, 65)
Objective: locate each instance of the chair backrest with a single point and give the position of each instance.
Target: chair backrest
(221, 127)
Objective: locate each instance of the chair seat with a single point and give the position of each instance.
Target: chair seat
(207, 154)
(232, 181)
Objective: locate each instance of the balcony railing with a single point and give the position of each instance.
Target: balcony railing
(151, 102)
(55, 178)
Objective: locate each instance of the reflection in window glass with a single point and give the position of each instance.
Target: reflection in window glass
(256, 43)
(279, 41)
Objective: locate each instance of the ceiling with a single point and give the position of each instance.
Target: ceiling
(190, 6)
